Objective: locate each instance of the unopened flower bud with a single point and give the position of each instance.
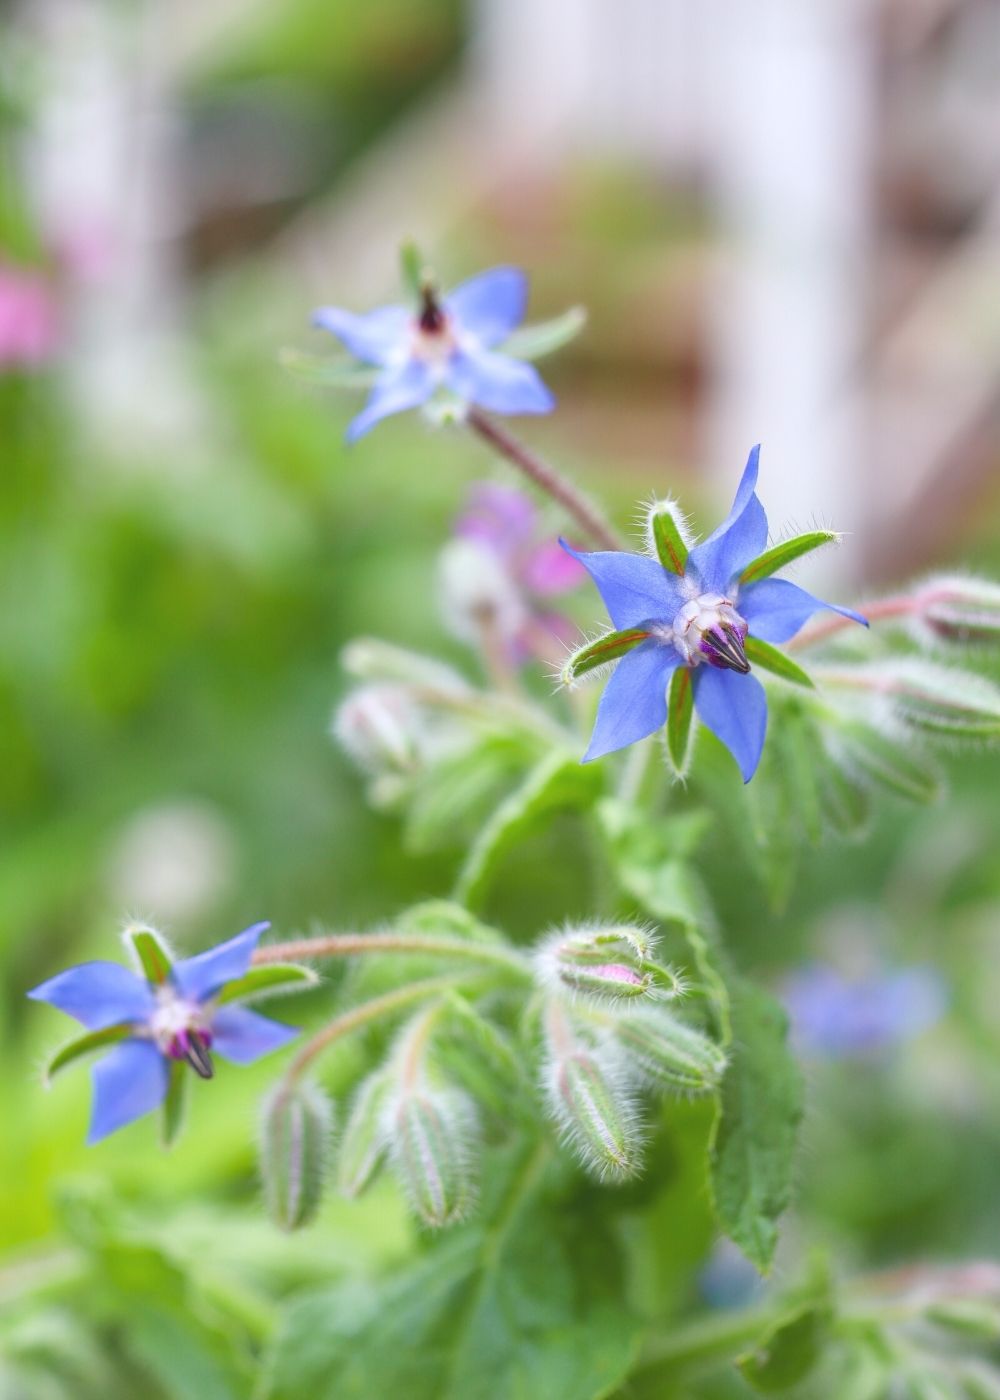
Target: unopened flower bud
(941, 699)
(591, 1101)
(667, 1054)
(431, 1134)
(958, 609)
(605, 962)
(477, 594)
(371, 659)
(294, 1151)
(364, 1140)
(376, 725)
(596, 1113)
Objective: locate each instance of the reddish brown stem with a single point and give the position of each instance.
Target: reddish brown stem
(877, 611)
(563, 492)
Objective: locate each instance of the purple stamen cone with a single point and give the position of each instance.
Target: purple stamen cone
(176, 1018)
(723, 646)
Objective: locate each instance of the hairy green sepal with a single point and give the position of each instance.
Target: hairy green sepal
(769, 658)
(785, 553)
(611, 647)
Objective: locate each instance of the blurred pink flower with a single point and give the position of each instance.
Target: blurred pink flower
(29, 318)
(504, 524)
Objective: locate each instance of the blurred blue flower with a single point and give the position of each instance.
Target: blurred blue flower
(177, 1019)
(449, 342)
(701, 616)
(835, 1016)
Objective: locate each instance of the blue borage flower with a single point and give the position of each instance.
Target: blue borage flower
(704, 612)
(178, 1013)
(836, 1016)
(447, 342)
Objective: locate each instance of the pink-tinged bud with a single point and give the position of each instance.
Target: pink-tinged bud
(958, 609)
(364, 1141)
(376, 725)
(608, 963)
(294, 1151)
(940, 699)
(478, 594)
(591, 1101)
(431, 1134)
(667, 1054)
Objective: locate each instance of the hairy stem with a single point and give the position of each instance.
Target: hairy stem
(563, 492)
(878, 611)
(385, 1005)
(349, 945)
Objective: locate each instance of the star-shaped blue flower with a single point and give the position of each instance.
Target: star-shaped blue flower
(447, 342)
(698, 615)
(154, 1024)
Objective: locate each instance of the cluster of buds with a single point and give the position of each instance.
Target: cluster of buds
(956, 609)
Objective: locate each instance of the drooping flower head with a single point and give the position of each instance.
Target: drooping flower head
(175, 1014)
(445, 342)
(837, 1016)
(696, 618)
(500, 562)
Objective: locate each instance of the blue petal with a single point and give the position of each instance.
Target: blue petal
(242, 1036)
(490, 305)
(97, 994)
(498, 382)
(128, 1082)
(738, 540)
(635, 588)
(734, 708)
(634, 703)
(775, 609)
(202, 976)
(396, 390)
(373, 337)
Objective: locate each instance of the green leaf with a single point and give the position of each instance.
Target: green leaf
(600, 651)
(174, 1104)
(680, 719)
(84, 1045)
(525, 1303)
(457, 794)
(866, 751)
(150, 950)
(413, 269)
(771, 659)
(558, 783)
(328, 374)
(269, 978)
(753, 1146)
(783, 554)
(534, 342)
(790, 1351)
(665, 530)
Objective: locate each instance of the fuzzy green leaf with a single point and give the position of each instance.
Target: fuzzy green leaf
(525, 1302)
(763, 654)
(670, 546)
(152, 954)
(599, 652)
(789, 1352)
(533, 342)
(84, 1045)
(270, 977)
(328, 374)
(785, 553)
(753, 1146)
(558, 783)
(680, 719)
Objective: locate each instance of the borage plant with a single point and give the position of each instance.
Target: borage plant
(583, 1116)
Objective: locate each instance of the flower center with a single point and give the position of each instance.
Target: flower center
(180, 1030)
(708, 628)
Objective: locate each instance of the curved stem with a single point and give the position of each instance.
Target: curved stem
(877, 611)
(563, 492)
(349, 945)
(386, 1004)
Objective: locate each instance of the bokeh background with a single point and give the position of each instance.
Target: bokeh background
(784, 220)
